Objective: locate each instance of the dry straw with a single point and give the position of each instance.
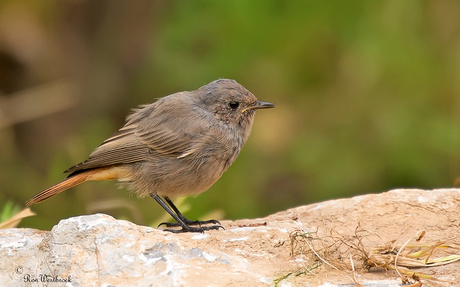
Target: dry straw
(360, 253)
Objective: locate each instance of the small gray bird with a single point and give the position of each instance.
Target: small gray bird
(179, 145)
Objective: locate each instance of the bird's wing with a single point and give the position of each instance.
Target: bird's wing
(126, 148)
(174, 129)
(167, 129)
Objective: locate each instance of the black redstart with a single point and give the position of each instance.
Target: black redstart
(179, 145)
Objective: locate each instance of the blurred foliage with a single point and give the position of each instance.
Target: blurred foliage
(11, 215)
(367, 94)
(8, 210)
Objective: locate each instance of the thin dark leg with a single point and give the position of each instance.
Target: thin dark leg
(183, 218)
(180, 221)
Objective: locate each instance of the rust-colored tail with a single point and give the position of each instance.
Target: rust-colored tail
(67, 183)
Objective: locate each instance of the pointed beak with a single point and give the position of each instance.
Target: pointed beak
(260, 105)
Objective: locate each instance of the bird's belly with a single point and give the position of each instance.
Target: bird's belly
(176, 177)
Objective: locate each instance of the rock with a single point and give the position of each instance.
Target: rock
(98, 250)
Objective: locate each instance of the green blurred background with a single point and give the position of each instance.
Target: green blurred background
(367, 94)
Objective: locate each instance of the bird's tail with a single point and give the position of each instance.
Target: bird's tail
(59, 187)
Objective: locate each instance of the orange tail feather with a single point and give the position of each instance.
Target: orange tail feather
(60, 187)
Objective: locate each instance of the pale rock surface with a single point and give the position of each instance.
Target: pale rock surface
(98, 250)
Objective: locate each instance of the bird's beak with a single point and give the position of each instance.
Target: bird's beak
(259, 105)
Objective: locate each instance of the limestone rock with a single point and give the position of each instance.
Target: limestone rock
(98, 250)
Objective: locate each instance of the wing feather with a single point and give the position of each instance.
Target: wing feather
(173, 137)
(151, 129)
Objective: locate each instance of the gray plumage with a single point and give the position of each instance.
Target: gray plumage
(179, 145)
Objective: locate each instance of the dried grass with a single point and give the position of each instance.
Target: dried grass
(366, 250)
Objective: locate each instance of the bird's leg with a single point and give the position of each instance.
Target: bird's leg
(182, 220)
(181, 216)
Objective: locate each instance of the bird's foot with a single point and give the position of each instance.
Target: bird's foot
(200, 229)
(190, 222)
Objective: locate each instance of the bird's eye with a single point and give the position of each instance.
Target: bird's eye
(233, 105)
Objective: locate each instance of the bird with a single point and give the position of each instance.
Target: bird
(179, 145)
